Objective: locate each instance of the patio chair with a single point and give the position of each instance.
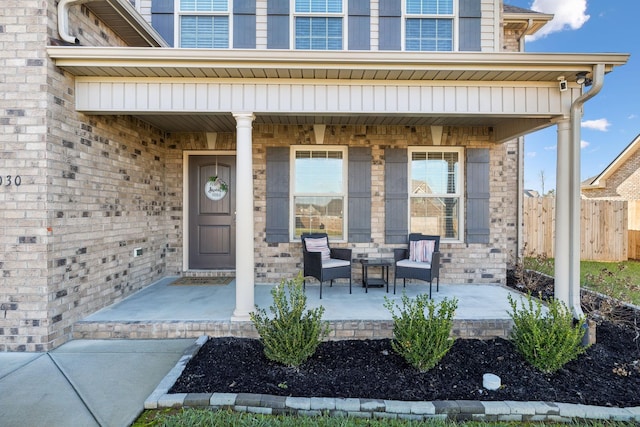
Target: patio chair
(421, 260)
(323, 262)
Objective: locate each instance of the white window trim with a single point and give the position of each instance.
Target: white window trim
(293, 194)
(461, 187)
(178, 14)
(454, 16)
(292, 25)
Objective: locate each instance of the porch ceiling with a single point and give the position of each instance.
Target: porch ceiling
(226, 122)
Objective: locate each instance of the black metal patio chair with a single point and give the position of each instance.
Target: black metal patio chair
(323, 262)
(420, 260)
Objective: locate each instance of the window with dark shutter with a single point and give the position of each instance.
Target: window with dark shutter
(359, 222)
(478, 195)
(277, 194)
(395, 195)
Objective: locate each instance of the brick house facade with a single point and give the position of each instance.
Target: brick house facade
(83, 188)
(620, 180)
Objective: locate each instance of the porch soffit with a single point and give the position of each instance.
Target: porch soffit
(377, 68)
(124, 20)
(261, 64)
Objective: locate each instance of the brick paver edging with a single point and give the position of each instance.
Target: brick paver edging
(377, 408)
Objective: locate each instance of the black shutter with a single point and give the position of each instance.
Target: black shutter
(469, 25)
(278, 24)
(162, 19)
(389, 25)
(359, 25)
(359, 194)
(244, 24)
(396, 196)
(277, 226)
(477, 211)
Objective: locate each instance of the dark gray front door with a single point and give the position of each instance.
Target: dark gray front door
(212, 228)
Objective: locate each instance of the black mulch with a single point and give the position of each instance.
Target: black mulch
(608, 374)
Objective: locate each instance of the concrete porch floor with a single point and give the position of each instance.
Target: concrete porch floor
(165, 311)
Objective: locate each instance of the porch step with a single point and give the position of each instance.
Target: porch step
(339, 329)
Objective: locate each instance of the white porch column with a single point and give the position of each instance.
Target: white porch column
(563, 213)
(245, 276)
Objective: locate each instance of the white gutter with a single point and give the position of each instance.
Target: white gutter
(63, 20)
(574, 189)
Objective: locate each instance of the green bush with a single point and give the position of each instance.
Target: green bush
(422, 334)
(292, 334)
(547, 341)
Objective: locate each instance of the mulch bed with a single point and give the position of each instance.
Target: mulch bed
(608, 374)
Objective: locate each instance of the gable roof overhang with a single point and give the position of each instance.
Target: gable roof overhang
(600, 181)
(527, 21)
(452, 72)
(120, 16)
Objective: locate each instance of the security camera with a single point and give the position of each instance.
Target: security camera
(562, 83)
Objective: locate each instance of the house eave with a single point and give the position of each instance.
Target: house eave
(453, 66)
(120, 16)
(530, 23)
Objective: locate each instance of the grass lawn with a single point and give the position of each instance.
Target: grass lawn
(620, 280)
(206, 418)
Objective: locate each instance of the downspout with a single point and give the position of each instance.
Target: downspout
(575, 245)
(63, 20)
(524, 33)
(520, 213)
(519, 232)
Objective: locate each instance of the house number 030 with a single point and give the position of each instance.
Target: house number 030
(9, 180)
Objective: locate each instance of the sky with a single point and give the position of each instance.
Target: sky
(611, 119)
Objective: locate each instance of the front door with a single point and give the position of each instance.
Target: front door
(212, 207)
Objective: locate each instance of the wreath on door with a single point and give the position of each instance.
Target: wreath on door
(216, 188)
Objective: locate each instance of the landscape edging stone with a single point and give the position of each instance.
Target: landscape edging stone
(377, 408)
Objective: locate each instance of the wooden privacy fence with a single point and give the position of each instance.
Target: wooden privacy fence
(603, 228)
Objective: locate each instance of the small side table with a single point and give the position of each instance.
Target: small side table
(381, 281)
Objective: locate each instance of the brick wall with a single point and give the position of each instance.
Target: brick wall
(24, 320)
(92, 188)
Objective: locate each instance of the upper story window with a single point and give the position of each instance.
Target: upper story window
(429, 25)
(436, 193)
(204, 23)
(318, 24)
(319, 190)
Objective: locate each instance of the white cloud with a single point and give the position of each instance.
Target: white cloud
(551, 147)
(632, 116)
(531, 154)
(583, 144)
(599, 124)
(568, 14)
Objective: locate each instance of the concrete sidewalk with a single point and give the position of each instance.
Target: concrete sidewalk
(84, 382)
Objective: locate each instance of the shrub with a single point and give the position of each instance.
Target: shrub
(293, 333)
(422, 338)
(548, 341)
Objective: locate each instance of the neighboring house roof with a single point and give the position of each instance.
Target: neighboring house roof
(600, 181)
(531, 193)
(515, 9)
